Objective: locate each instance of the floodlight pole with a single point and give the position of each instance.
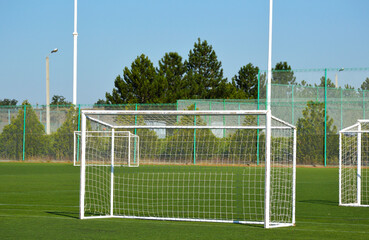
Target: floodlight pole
(48, 92)
(269, 95)
(336, 76)
(75, 35)
(47, 97)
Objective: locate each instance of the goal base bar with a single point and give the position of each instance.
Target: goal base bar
(271, 225)
(352, 205)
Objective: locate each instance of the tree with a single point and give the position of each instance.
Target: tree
(247, 80)
(11, 139)
(8, 102)
(330, 84)
(171, 70)
(181, 142)
(310, 134)
(348, 86)
(204, 72)
(365, 84)
(58, 100)
(100, 103)
(282, 74)
(305, 84)
(140, 84)
(62, 144)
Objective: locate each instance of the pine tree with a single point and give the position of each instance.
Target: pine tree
(204, 72)
(140, 84)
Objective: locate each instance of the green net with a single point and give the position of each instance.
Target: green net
(319, 102)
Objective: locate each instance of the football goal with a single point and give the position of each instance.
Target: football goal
(354, 165)
(210, 166)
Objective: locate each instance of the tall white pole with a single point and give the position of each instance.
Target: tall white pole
(75, 34)
(358, 176)
(268, 125)
(47, 96)
(269, 85)
(82, 168)
(112, 173)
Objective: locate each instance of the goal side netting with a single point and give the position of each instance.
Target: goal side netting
(354, 165)
(188, 166)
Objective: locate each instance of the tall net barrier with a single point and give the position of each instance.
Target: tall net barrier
(299, 97)
(174, 165)
(354, 165)
(23, 131)
(310, 100)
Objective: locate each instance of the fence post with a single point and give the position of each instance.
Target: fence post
(135, 143)
(24, 131)
(325, 117)
(341, 110)
(363, 104)
(224, 120)
(293, 108)
(194, 140)
(210, 110)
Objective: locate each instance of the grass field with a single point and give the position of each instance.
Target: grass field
(40, 201)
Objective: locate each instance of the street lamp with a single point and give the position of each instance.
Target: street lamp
(336, 77)
(48, 92)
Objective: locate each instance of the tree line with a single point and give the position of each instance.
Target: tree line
(198, 77)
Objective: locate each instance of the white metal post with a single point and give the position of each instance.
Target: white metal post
(83, 168)
(359, 165)
(268, 124)
(267, 169)
(112, 173)
(269, 86)
(137, 151)
(47, 97)
(74, 148)
(75, 35)
(294, 176)
(129, 149)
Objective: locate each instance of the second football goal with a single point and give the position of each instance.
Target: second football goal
(354, 165)
(213, 166)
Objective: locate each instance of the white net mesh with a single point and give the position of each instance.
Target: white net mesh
(189, 168)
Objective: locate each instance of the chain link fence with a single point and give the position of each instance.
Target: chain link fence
(319, 102)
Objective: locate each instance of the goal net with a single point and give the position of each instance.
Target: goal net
(76, 148)
(188, 166)
(354, 165)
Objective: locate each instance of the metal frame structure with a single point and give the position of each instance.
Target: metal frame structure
(89, 114)
(353, 130)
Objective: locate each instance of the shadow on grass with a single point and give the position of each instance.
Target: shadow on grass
(66, 214)
(321, 202)
(75, 215)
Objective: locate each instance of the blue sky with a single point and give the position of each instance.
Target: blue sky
(112, 33)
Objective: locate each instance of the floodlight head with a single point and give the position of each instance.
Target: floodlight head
(341, 69)
(55, 50)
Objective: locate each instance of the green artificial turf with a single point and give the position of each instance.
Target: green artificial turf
(40, 201)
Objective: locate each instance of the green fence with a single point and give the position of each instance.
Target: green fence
(318, 111)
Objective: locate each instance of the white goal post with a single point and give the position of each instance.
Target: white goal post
(210, 166)
(125, 139)
(77, 148)
(354, 165)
